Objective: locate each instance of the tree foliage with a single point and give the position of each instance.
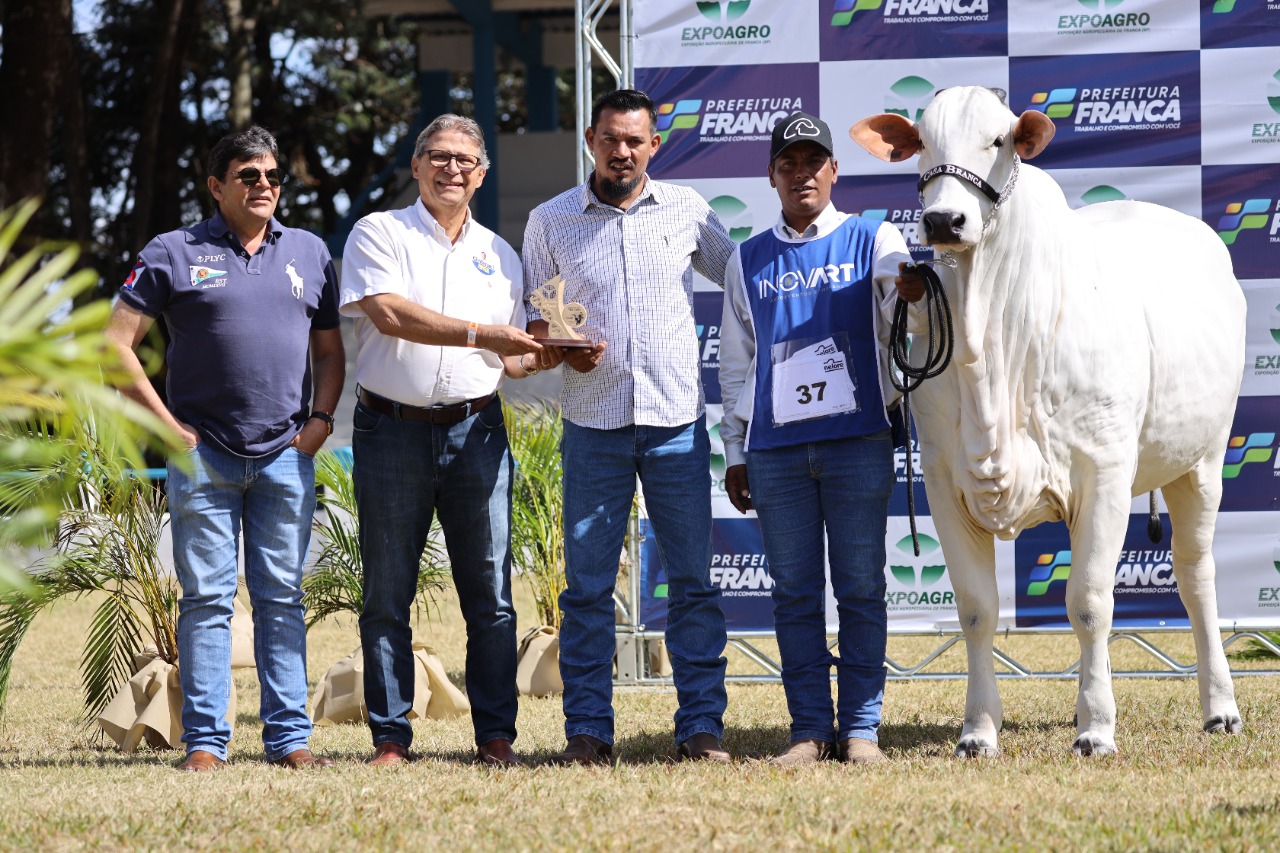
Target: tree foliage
(155, 81)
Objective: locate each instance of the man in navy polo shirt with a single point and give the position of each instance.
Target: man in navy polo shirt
(807, 438)
(252, 311)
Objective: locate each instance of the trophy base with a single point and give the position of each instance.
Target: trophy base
(569, 343)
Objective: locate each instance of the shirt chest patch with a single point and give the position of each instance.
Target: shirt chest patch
(204, 277)
(482, 263)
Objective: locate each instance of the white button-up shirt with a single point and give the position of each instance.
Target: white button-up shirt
(408, 253)
(633, 271)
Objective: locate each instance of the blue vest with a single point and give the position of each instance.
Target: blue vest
(807, 292)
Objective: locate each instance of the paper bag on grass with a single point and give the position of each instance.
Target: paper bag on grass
(538, 663)
(339, 697)
(241, 636)
(149, 706)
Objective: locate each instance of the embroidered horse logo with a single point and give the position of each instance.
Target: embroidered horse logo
(295, 278)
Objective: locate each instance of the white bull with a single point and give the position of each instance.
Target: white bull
(1098, 356)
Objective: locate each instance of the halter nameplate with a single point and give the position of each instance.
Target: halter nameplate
(996, 198)
(961, 173)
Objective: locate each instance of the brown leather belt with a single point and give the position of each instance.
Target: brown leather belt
(425, 414)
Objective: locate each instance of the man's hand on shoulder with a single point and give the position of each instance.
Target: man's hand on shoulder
(506, 340)
(584, 360)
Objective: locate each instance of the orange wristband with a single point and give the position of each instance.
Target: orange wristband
(471, 333)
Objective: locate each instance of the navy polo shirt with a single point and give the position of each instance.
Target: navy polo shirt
(240, 327)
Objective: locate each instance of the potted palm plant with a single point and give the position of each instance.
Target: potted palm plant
(54, 404)
(66, 441)
(537, 538)
(335, 585)
(107, 546)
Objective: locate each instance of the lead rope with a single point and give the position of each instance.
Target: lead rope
(937, 310)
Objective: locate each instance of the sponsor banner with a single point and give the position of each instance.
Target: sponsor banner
(1242, 203)
(738, 567)
(853, 90)
(1075, 27)
(721, 506)
(1115, 110)
(724, 32)
(1177, 187)
(1241, 105)
(1262, 341)
(746, 206)
(886, 198)
(898, 500)
(1239, 23)
(707, 311)
(1146, 592)
(1251, 468)
(1246, 548)
(903, 29)
(716, 122)
(918, 592)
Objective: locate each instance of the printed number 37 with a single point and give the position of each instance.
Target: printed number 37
(811, 392)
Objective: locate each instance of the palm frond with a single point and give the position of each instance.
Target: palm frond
(114, 636)
(335, 583)
(537, 512)
(56, 399)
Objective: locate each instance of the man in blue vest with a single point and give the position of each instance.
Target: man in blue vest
(252, 309)
(806, 430)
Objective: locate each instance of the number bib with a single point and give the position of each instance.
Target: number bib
(811, 382)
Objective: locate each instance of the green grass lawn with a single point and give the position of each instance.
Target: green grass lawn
(1171, 787)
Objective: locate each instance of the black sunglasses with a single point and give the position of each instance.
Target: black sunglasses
(250, 176)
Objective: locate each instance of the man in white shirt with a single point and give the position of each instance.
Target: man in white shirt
(627, 246)
(440, 320)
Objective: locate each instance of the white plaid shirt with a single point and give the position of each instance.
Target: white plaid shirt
(633, 271)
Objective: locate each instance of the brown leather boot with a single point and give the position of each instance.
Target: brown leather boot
(201, 761)
(805, 750)
(498, 753)
(389, 754)
(584, 749)
(856, 750)
(302, 759)
(704, 746)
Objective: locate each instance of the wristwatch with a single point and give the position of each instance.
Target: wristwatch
(529, 371)
(323, 416)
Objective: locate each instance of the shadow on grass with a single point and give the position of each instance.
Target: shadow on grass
(1250, 810)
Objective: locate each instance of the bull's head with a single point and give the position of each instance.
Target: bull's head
(967, 139)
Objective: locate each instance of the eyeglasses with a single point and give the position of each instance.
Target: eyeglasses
(250, 176)
(440, 159)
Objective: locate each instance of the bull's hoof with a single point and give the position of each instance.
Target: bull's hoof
(972, 746)
(1228, 724)
(1088, 744)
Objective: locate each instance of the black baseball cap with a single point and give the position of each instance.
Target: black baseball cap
(800, 127)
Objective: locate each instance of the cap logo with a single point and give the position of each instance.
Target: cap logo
(800, 127)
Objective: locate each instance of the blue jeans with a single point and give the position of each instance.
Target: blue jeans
(840, 488)
(406, 472)
(271, 500)
(600, 469)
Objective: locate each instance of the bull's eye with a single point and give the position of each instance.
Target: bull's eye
(999, 143)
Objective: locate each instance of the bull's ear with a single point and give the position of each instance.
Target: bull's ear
(889, 137)
(1032, 132)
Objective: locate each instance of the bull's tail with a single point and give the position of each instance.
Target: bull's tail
(1155, 527)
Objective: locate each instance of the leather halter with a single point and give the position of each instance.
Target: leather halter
(979, 183)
